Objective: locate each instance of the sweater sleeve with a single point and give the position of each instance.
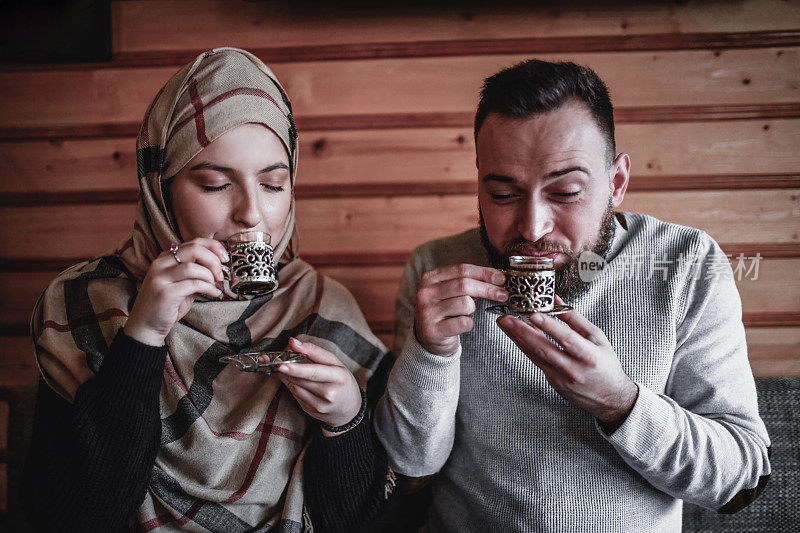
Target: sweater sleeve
(415, 418)
(703, 440)
(348, 479)
(89, 462)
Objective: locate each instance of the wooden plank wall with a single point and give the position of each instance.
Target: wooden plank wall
(707, 98)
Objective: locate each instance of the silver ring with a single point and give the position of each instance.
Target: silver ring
(173, 248)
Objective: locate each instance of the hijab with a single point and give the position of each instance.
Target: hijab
(232, 442)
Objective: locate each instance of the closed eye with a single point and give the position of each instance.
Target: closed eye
(273, 188)
(215, 188)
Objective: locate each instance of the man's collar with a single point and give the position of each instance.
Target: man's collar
(620, 234)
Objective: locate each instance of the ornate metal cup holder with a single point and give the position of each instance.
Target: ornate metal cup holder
(263, 362)
(504, 310)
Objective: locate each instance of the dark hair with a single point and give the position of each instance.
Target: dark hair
(534, 86)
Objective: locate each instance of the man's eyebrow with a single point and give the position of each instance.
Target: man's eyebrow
(498, 177)
(567, 170)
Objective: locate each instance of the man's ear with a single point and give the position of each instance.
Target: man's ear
(620, 173)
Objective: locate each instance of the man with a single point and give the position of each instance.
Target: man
(606, 418)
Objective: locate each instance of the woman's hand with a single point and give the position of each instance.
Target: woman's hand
(169, 288)
(324, 388)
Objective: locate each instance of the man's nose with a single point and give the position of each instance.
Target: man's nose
(248, 209)
(535, 222)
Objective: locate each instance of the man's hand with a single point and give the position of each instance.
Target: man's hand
(444, 304)
(585, 371)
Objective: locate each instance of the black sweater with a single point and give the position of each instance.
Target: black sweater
(90, 462)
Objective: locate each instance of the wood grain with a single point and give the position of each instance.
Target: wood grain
(774, 351)
(56, 97)
(474, 47)
(3, 437)
(3, 486)
(166, 25)
(684, 113)
(686, 155)
(17, 366)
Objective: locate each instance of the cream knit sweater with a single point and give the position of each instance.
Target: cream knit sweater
(512, 455)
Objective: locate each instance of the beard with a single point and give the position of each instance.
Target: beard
(568, 281)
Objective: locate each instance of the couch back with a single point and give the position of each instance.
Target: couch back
(778, 507)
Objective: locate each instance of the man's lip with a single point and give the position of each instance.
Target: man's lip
(551, 255)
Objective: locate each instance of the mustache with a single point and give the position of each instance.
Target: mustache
(524, 247)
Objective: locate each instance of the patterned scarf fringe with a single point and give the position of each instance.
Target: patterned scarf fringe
(391, 483)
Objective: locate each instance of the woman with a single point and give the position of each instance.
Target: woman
(139, 425)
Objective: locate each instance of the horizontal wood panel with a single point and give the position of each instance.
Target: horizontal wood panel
(774, 351)
(460, 47)
(429, 85)
(425, 157)
(384, 224)
(622, 115)
(771, 286)
(397, 224)
(17, 365)
(427, 188)
(3, 487)
(3, 433)
(169, 25)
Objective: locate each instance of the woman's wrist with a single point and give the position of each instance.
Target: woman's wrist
(140, 333)
(334, 431)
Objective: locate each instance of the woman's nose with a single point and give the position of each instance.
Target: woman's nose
(248, 209)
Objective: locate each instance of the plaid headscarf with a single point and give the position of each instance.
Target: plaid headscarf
(231, 442)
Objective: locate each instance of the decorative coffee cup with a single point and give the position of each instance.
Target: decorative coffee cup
(250, 270)
(531, 284)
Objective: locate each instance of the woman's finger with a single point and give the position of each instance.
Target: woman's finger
(309, 402)
(186, 271)
(317, 372)
(194, 252)
(213, 245)
(319, 389)
(191, 287)
(315, 353)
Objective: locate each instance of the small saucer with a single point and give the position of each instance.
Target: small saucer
(504, 310)
(255, 361)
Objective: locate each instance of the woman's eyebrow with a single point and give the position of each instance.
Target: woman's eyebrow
(205, 165)
(274, 166)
